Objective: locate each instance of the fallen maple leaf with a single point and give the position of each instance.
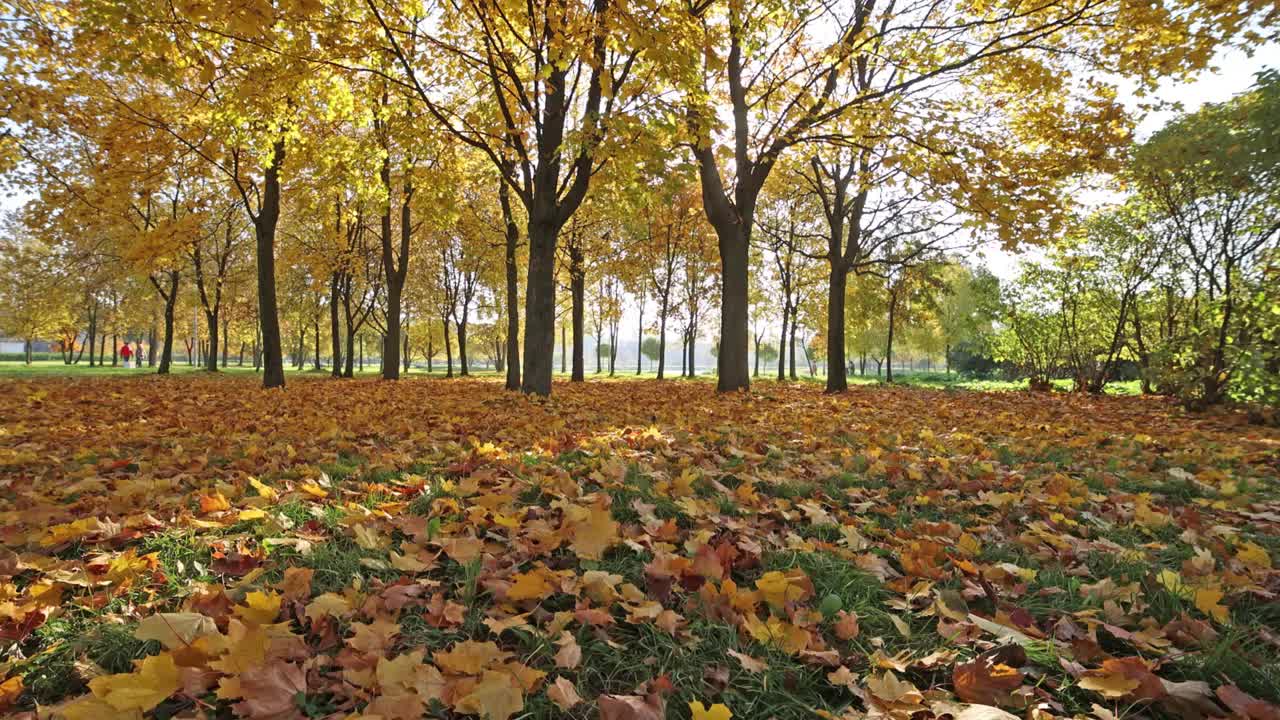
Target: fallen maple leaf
(496, 697)
(715, 712)
(563, 693)
(269, 691)
(152, 683)
(631, 707)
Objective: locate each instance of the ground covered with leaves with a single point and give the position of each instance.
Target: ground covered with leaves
(197, 547)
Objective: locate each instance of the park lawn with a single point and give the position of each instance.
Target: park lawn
(935, 380)
(194, 546)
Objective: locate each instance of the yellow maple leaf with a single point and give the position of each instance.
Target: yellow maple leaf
(531, 585)
(90, 707)
(259, 607)
(1253, 555)
(470, 657)
(496, 697)
(716, 712)
(594, 533)
(779, 633)
(154, 681)
(1207, 601)
(778, 589)
(1111, 685)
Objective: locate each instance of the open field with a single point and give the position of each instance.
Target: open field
(196, 546)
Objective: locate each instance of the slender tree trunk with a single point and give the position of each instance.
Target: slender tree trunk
(240, 360)
(226, 323)
(211, 322)
(170, 302)
(115, 349)
(793, 345)
(578, 296)
(407, 358)
(693, 344)
(361, 352)
(334, 329)
(151, 342)
(349, 368)
(315, 326)
(640, 342)
(564, 349)
(662, 337)
(513, 289)
(463, 368)
(448, 350)
(837, 379)
(265, 235)
(888, 349)
(93, 336)
(782, 344)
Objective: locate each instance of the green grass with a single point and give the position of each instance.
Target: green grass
(912, 378)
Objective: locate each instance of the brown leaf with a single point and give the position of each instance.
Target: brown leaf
(269, 692)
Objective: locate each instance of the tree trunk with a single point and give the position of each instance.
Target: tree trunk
(350, 369)
(463, 367)
(265, 234)
(334, 328)
(513, 282)
(837, 379)
(564, 350)
(782, 343)
(888, 349)
(731, 363)
(151, 343)
(211, 321)
(407, 358)
(540, 307)
(662, 338)
(170, 303)
(448, 350)
(793, 345)
(361, 354)
(226, 322)
(93, 335)
(640, 343)
(578, 295)
(240, 361)
(693, 344)
(315, 326)
(115, 349)
(395, 273)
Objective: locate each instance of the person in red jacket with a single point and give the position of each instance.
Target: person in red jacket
(126, 352)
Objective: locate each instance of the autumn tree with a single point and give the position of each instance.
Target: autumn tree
(787, 77)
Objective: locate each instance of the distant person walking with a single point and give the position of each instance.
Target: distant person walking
(126, 352)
